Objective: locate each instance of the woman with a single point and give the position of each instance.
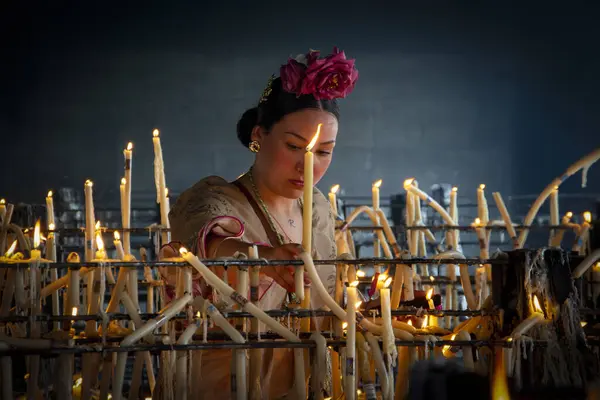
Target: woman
(263, 207)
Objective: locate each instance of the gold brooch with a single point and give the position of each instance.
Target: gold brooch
(268, 90)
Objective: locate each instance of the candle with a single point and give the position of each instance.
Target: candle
(333, 199)
(506, 218)
(582, 236)
(2, 209)
(119, 246)
(160, 182)
(351, 344)
(389, 340)
(554, 215)
(596, 282)
(128, 156)
(433, 320)
(34, 293)
(482, 207)
(50, 208)
(453, 209)
(100, 253)
(535, 318)
(36, 254)
(375, 194)
(499, 382)
(308, 193)
(90, 222)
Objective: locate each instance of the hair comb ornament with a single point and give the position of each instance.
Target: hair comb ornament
(268, 90)
(331, 77)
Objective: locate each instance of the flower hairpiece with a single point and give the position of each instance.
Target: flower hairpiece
(331, 77)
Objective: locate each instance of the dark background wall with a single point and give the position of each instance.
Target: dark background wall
(505, 95)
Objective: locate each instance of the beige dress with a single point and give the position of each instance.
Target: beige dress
(214, 206)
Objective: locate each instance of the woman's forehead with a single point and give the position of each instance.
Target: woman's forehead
(304, 123)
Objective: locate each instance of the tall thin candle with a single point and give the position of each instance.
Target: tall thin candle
(50, 209)
(160, 182)
(90, 220)
(333, 199)
(126, 218)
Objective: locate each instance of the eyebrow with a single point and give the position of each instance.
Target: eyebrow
(302, 138)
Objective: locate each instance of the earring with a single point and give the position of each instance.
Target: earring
(254, 146)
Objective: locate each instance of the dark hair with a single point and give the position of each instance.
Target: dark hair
(277, 105)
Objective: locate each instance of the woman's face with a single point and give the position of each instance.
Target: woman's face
(280, 161)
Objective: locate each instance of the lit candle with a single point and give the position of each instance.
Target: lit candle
(100, 253)
(2, 208)
(90, 220)
(333, 199)
(482, 207)
(119, 246)
(124, 209)
(36, 254)
(160, 182)
(582, 236)
(308, 193)
(433, 320)
(350, 370)
(34, 293)
(375, 194)
(50, 209)
(128, 156)
(554, 215)
(499, 381)
(535, 318)
(51, 255)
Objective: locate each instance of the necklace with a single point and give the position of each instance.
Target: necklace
(270, 218)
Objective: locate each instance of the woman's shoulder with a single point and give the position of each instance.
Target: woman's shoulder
(322, 208)
(212, 190)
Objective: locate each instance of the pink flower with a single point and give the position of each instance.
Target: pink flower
(291, 75)
(331, 77)
(327, 78)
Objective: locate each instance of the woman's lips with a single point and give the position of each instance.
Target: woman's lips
(297, 183)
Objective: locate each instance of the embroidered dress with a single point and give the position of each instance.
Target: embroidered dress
(215, 207)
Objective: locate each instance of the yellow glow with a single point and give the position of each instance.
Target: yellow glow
(387, 282)
(2, 201)
(536, 304)
(429, 294)
(129, 146)
(183, 250)
(569, 214)
(583, 324)
(587, 216)
(382, 277)
(117, 235)
(314, 139)
(155, 133)
(36, 235)
(408, 182)
(556, 187)
(344, 325)
(198, 315)
(455, 189)
(447, 347)
(358, 304)
(89, 183)
(74, 311)
(353, 284)
(167, 192)
(425, 322)
(499, 381)
(482, 186)
(99, 242)
(49, 193)
(431, 278)
(377, 183)
(360, 273)
(97, 224)
(123, 181)
(11, 249)
(410, 322)
(477, 221)
(334, 189)
(51, 226)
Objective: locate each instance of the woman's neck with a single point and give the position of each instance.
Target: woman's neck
(276, 204)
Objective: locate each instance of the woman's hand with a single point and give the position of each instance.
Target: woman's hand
(283, 275)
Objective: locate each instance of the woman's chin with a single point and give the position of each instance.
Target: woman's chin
(292, 193)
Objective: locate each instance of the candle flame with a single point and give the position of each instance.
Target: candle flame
(334, 189)
(155, 133)
(377, 183)
(123, 181)
(477, 221)
(410, 322)
(198, 315)
(583, 324)
(499, 381)
(99, 242)
(314, 139)
(129, 146)
(447, 347)
(431, 278)
(11, 249)
(455, 189)
(36, 235)
(89, 183)
(97, 224)
(74, 311)
(556, 187)
(482, 186)
(587, 216)
(387, 282)
(408, 182)
(117, 235)
(183, 250)
(51, 226)
(167, 192)
(2, 201)
(425, 322)
(353, 284)
(382, 277)
(358, 304)
(429, 294)
(536, 304)
(344, 325)
(360, 273)
(49, 193)
(569, 214)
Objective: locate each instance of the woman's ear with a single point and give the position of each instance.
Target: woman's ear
(257, 133)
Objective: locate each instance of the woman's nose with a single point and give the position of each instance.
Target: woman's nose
(300, 165)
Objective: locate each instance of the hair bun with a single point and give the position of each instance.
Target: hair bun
(246, 124)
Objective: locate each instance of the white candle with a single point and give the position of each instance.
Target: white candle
(36, 254)
(596, 281)
(119, 246)
(333, 199)
(375, 194)
(128, 155)
(453, 209)
(100, 253)
(124, 209)
(2, 208)
(90, 220)
(482, 207)
(50, 209)
(389, 340)
(506, 218)
(554, 213)
(308, 193)
(351, 344)
(160, 182)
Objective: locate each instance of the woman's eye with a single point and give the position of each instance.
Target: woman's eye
(323, 153)
(292, 147)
